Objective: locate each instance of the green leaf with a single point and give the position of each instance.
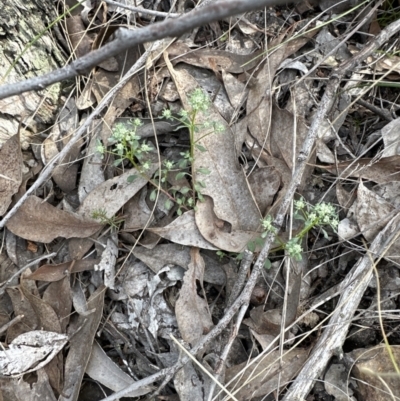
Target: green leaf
(204, 171)
(168, 204)
(251, 246)
(153, 195)
(118, 162)
(259, 241)
(179, 212)
(183, 163)
(180, 175)
(267, 264)
(131, 178)
(299, 216)
(184, 190)
(201, 148)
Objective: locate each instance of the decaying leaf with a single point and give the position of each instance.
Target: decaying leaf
(30, 351)
(373, 213)
(214, 59)
(266, 374)
(37, 220)
(183, 230)
(81, 44)
(66, 172)
(191, 384)
(376, 376)
(380, 171)
(53, 273)
(80, 346)
(173, 254)
(102, 369)
(108, 261)
(192, 312)
(10, 171)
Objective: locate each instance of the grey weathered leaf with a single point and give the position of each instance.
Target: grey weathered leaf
(10, 171)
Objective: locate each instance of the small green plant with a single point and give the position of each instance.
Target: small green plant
(101, 216)
(321, 215)
(199, 102)
(126, 145)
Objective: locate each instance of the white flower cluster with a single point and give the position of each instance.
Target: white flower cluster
(199, 101)
(294, 249)
(322, 214)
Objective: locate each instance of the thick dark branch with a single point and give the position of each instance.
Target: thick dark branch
(126, 39)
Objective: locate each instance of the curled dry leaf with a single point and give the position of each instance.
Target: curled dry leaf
(10, 171)
(37, 220)
(192, 312)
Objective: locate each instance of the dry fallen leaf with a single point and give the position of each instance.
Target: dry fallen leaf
(112, 194)
(30, 351)
(226, 184)
(269, 373)
(376, 376)
(373, 212)
(81, 44)
(381, 171)
(192, 312)
(37, 220)
(52, 273)
(10, 171)
(102, 369)
(81, 345)
(183, 230)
